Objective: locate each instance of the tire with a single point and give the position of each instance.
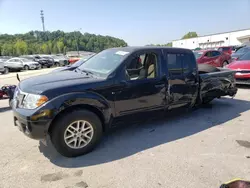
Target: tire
(6, 70)
(57, 65)
(48, 66)
(224, 63)
(58, 133)
(26, 67)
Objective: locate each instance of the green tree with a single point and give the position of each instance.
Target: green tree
(45, 48)
(60, 46)
(55, 49)
(190, 35)
(170, 44)
(35, 42)
(20, 47)
(7, 49)
(50, 46)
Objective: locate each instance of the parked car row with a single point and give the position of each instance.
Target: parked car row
(238, 61)
(31, 62)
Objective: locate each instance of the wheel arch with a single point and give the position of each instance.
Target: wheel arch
(88, 107)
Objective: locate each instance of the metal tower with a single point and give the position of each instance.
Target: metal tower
(42, 18)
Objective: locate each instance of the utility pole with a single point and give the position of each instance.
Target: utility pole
(42, 18)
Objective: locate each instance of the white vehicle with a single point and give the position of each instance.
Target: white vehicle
(21, 63)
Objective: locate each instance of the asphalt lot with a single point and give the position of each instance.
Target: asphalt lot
(203, 148)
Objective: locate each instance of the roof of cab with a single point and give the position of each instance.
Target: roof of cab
(136, 48)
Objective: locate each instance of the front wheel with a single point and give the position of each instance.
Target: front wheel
(57, 64)
(76, 133)
(26, 67)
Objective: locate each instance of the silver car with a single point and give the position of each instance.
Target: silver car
(20, 64)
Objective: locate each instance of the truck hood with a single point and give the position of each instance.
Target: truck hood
(239, 65)
(57, 81)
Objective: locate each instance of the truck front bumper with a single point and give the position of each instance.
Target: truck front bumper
(32, 123)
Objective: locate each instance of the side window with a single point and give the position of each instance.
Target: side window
(12, 61)
(209, 54)
(180, 64)
(143, 66)
(215, 53)
(174, 64)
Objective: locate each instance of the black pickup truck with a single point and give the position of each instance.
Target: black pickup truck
(75, 107)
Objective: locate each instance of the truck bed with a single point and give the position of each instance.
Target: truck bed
(216, 83)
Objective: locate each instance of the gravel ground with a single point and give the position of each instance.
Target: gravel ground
(203, 148)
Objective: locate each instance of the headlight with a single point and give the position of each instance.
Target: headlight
(32, 101)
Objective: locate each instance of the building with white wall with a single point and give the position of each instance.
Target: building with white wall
(215, 40)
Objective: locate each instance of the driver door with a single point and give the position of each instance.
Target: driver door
(142, 87)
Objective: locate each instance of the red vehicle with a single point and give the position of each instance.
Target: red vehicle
(73, 59)
(213, 57)
(242, 68)
(226, 49)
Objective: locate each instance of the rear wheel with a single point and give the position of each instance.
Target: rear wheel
(6, 70)
(76, 133)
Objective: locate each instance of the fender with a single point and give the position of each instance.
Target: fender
(89, 98)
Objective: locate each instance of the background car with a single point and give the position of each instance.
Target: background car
(3, 68)
(226, 49)
(73, 59)
(49, 59)
(212, 57)
(242, 68)
(60, 60)
(240, 52)
(73, 66)
(37, 58)
(20, 64)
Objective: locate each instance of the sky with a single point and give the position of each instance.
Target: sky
(138, 22)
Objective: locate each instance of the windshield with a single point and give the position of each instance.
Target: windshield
(198, 54)
(242, 50)
(103, 63)
(245, 56)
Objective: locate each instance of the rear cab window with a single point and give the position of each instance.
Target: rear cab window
(180, 64)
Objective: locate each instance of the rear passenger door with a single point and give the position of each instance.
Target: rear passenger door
(182, 79)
